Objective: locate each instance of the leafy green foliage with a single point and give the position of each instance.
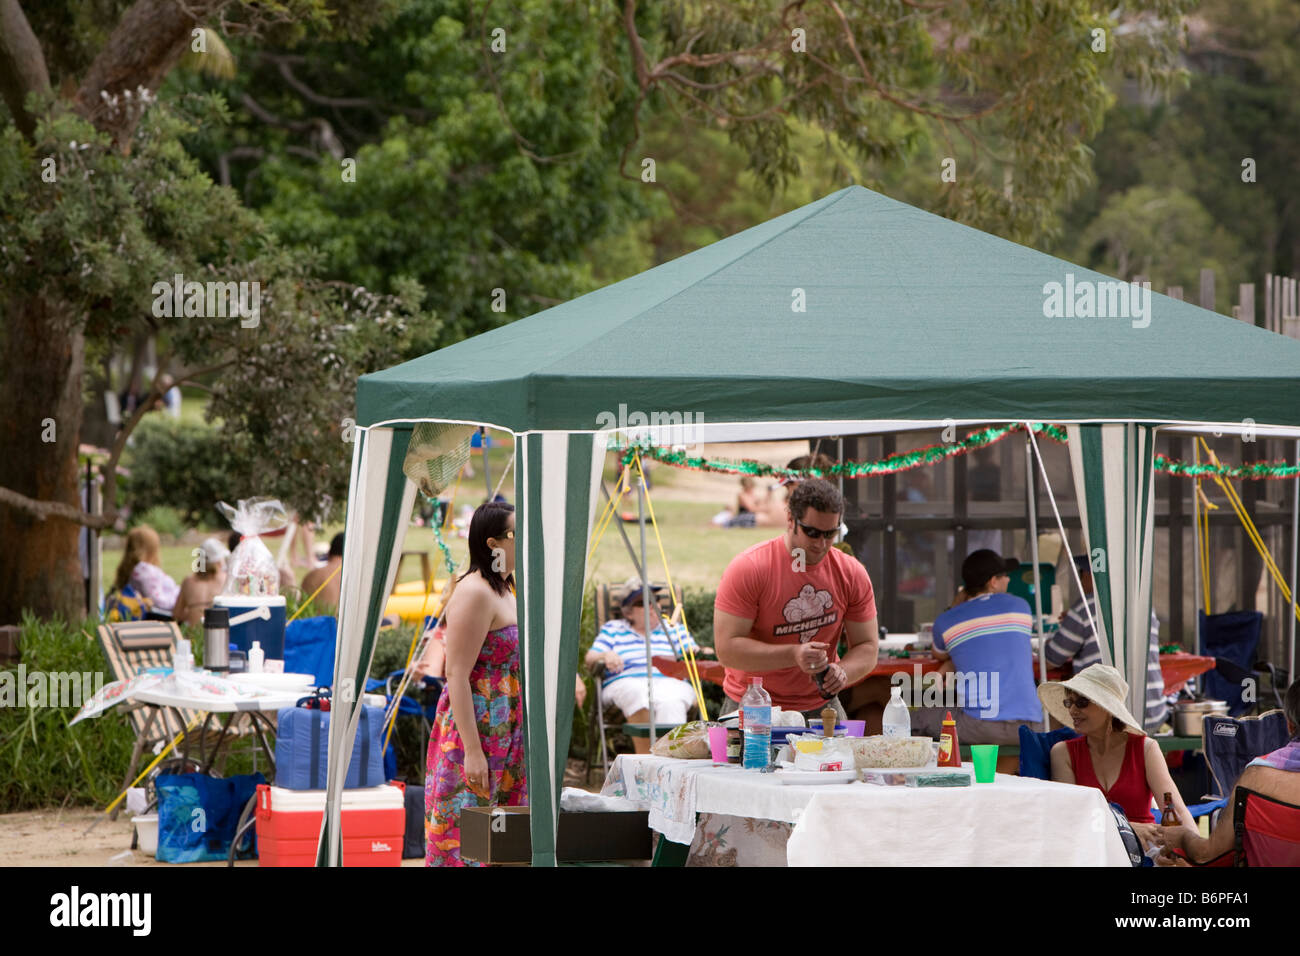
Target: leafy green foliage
(181, 466)
(43, 761)
(474, 170)
(1170, 191)
(1161, 232)
(167, 521)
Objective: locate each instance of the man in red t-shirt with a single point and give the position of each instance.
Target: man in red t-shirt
(782, 605)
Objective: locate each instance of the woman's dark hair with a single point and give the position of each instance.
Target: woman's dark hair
(491, 520)
(1117, 724)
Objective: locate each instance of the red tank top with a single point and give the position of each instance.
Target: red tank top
(1130, 789)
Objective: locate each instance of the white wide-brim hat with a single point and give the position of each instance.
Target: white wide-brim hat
(1101, 684)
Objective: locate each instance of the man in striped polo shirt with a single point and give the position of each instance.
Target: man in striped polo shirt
(620, 646)
(986, 636)
(1075, 642)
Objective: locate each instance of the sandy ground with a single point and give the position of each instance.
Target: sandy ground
(85, 837)
(77, 837)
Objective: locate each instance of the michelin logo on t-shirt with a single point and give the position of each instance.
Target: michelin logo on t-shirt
(807, 613)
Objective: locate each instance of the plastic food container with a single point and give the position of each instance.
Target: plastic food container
(881, 751)
(146, 831)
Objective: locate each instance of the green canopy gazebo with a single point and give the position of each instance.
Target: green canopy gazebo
(849, 315)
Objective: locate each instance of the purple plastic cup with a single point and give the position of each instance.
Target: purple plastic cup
(718, 744)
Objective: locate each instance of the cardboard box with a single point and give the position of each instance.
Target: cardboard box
(501, 835)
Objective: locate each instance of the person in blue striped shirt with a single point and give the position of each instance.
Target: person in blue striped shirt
(620, 646)
(1074, 642)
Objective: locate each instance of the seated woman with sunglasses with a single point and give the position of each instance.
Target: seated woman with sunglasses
(1112, 753)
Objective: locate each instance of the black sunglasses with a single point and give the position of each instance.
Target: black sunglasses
(1070, 703)
(816, 533)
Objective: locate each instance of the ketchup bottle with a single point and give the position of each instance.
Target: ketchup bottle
(949, 748)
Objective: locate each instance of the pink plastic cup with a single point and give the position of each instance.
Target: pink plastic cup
(718, 744)
(855, 728)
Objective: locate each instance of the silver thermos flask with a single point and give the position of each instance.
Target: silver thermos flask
(216, 639)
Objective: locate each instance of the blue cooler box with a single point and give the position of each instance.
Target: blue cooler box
(302, 746)
(269, 633)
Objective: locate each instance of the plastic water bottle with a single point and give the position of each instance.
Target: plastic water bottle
(897, 721)
(756, 719)
(256, 656)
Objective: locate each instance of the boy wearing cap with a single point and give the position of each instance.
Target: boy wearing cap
(1074, 642)
(987, 638)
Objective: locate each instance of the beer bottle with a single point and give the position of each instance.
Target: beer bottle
(1170, 817)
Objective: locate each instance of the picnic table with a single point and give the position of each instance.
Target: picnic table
(732, 816)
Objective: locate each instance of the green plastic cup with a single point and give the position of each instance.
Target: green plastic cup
(985, 758)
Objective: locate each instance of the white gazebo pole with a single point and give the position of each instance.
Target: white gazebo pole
(1295, 551)
(645, 598)
(1033, 551)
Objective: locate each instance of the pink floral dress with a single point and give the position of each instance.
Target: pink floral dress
(494, 684)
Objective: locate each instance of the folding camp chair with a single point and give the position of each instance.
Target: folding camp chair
(135, 647)
(1232, 742)
(309, 646)
(1036, 750)
(1267, 830)
(1231, 639)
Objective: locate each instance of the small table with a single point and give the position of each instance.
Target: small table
(1014, 821)
(227, 712)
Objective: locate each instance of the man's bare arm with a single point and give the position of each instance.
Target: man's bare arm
(737, 650)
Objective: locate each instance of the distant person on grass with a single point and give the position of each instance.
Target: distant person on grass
(329, 574)
(141, 568)
(199, 589)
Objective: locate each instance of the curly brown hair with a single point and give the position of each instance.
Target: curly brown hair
(818, 494)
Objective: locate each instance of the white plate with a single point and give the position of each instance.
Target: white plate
(800, 778)
(278, 681)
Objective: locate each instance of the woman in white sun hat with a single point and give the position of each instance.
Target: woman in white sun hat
(1112, 753)
(199, 589)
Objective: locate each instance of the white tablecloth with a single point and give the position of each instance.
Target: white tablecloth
(1013, 821)
(269, 702)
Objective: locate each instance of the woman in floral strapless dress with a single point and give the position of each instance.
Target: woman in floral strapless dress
(484, 765)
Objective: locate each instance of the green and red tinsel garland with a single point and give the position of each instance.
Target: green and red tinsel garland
(932, 454)
(1246, 471)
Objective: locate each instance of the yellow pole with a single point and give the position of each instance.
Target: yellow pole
(687, 655)
(156, 760)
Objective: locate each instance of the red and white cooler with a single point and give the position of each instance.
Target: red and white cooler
(288, 825)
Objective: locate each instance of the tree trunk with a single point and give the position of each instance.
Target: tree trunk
(43, 358)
